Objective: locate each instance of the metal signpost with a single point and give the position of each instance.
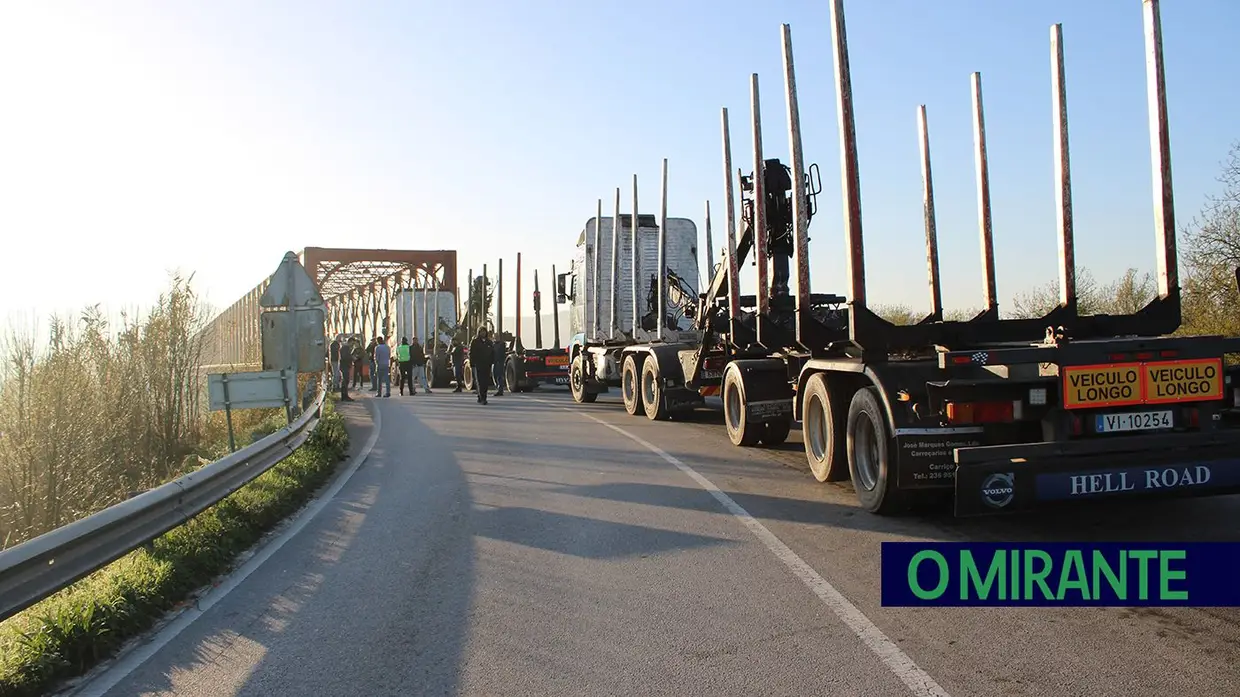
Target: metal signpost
(293, 342)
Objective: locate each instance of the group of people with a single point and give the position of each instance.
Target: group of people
(486, 356)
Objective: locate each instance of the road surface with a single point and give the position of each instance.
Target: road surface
(538, 547)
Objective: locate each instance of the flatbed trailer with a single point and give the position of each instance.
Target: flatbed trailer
(1003, 414)
(525, 368)
(1012, 414)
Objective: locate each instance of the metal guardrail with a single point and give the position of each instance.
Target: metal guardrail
(35, 569)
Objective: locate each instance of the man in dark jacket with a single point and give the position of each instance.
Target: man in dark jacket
(481, 358)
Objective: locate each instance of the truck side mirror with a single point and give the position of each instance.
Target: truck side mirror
(563, 288)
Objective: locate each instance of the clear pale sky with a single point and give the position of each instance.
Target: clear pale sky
(138, 137)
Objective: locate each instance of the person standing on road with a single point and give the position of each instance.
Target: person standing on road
(358, 356)
(481, 358)
(417, 357)
(501, 359)
(406, 367)
(458, 364)
(333, 354)
(345, 369)
(374, 374)
(383, 364)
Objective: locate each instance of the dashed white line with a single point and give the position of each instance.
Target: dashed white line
(131, 662)
(917, 680)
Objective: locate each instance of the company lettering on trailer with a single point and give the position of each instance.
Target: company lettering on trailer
(1111, 385)
(1183, 381)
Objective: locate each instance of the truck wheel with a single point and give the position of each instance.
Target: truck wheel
(469, 376)
(510, 375)
(630, 386)
(577, 381)
(741, 431)
(776, 432)
(653, 395)
(823, 416)
(870, 453)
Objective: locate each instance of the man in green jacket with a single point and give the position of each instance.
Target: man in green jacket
(406, 366)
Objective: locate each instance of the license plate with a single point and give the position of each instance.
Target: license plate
(561, 380)
(557, 360)
(1134, 421)
(1130, 384)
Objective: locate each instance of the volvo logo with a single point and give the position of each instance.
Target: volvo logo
(998, 489)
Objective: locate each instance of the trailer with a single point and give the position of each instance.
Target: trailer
(527, 368)
(1008, 414)
(610, 326)
(1001, 414)
(428, 313)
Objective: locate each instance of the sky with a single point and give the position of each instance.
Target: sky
(137, 138)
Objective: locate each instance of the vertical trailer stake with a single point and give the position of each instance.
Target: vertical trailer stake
(485, 300)
(759, 207)
(555, 308)
(637, 319)
(729, 202)
(661, 274)
(850, 179)
(537, 313)
(615, 267)
(927, 198)
(469, 307)
(499, 298)
(983, 199)
(1160, 155)
(1063, 175)
(800, 223)
(710, 253)
(592, 289)
(518, 344)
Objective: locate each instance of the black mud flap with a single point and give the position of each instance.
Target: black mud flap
(1017, 482)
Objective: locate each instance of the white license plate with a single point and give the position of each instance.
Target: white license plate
(1133, 421)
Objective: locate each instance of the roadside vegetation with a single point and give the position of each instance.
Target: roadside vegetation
(94, 413)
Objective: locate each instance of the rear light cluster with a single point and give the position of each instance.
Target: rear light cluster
(1005, 411)
(714, 363)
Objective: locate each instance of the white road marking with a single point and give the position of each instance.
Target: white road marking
(131, 662)
(917, 680)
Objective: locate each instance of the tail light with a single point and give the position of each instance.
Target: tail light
(982, 412)
(1192, 417)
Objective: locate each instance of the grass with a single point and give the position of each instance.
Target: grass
(68, 633)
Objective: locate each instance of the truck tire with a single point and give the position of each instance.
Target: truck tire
(511, 382)
(870, 454)
(824, 415)
(469, 376)
(630, 386)
(741, 431)
(653, 395)
(577, 381)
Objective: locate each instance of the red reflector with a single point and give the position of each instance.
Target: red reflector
(1077, 427)
(1145, 355)
(1168, 354)
(1118, 356)
(1193, 417)
(960, 360)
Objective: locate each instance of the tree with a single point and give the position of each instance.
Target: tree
(1211, 254)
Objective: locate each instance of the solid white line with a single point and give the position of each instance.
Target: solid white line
(131, 662)
(917, 680)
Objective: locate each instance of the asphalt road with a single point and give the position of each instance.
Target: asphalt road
(526, 548)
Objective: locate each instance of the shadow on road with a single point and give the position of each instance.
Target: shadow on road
(589, 538)
(373, 597)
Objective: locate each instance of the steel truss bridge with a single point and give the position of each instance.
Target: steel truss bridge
(358, 285)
